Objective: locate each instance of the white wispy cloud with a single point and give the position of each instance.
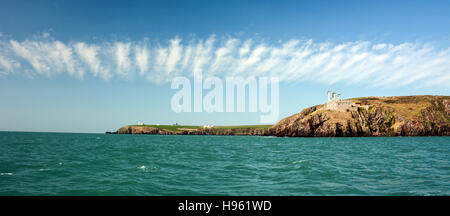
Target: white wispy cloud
(7, 65)
(376, 64)
(89, 55)
(122, 58)
(142, 55)
(174, 54)
(45, 57)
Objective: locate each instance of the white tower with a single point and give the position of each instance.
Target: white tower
(329, 96)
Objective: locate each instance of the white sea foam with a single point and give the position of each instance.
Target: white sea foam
(149, 168)
(6, 174)
(300, 161)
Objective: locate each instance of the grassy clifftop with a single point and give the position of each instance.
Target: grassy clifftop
(176, 128)
(411, 107)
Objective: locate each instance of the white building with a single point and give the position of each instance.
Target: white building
(334, 103)
(207, 126)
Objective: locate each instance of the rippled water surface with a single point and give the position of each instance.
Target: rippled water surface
(99, 164)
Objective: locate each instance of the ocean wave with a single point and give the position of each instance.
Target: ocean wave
(299, 161)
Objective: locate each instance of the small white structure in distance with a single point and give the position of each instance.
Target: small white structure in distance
(140, 124)
(207, 126)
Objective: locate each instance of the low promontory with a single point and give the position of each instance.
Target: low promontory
(243, 130)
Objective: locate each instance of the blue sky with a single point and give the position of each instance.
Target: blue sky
(51, 81)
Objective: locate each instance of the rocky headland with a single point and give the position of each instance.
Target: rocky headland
(371, 116)
(368, 116)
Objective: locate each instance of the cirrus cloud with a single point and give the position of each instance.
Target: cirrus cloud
(375, 64)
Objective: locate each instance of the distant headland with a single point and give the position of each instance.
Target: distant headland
(422, 115)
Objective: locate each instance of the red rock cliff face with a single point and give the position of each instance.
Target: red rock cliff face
(393, 116)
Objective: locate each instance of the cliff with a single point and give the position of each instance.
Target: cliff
(371, 116)
(368, 116)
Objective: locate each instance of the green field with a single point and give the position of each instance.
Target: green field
(176, 128)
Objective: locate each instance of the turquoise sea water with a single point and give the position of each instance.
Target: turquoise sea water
(100, 164)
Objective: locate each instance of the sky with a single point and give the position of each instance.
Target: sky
(94, 66)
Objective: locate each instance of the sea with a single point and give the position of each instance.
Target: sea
(153, 165)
